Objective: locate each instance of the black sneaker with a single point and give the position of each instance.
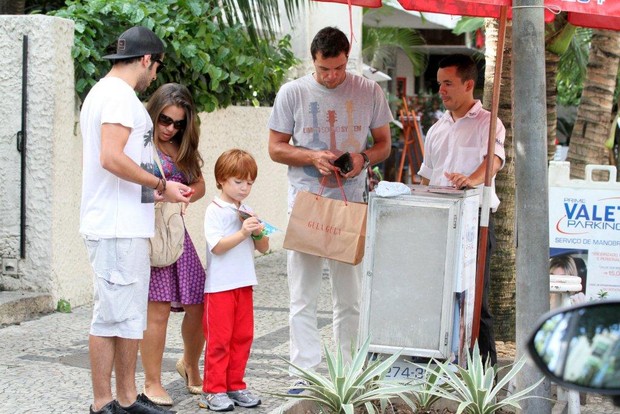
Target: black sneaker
(299, 387)
(110, 408)
(145, 406)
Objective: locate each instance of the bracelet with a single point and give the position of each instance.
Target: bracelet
(157, 185)
(260, 236)
(366, 160)
(163, 183)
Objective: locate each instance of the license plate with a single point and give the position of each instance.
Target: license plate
(402, 369)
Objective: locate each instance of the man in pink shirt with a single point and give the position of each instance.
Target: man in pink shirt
(455, 152)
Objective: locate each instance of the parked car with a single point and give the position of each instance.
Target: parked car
(579, 347)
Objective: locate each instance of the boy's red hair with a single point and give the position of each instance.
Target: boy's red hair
(235, 163)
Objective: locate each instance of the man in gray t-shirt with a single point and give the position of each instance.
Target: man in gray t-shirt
(314, 120)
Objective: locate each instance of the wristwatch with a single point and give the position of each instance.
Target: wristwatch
(366, 160)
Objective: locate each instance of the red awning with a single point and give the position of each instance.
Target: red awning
(595, 13)
(599, 14)
(594, 21)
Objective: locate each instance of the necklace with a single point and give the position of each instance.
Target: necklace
(169, 150)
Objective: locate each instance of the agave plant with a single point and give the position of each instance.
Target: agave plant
(422, 397)
(474, 388)
(348, 386)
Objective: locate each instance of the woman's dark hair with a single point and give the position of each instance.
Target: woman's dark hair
(188, 160)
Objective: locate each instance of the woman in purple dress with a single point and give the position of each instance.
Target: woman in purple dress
(180, 286)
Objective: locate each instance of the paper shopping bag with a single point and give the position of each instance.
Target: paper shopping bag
(326, 227)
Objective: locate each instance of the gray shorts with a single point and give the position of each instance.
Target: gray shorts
(121, 285)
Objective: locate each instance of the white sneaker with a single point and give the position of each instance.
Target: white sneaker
(216, 402)
(244, 398)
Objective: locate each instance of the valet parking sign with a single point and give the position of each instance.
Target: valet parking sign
(584, 222)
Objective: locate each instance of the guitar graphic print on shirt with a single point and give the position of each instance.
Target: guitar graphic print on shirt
(316, 143)
(350, 144)
(331, 181)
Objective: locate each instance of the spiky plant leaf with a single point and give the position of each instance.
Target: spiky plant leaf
(422, 399)
(349, 386)
(473, 387)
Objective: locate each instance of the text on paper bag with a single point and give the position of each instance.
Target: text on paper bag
(324, 228)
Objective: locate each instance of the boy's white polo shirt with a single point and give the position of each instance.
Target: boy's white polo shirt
(235, 268)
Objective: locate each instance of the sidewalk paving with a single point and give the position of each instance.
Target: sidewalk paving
(44, 365)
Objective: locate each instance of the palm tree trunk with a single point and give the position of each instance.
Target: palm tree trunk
(503, 273)
(552, 61)
(587, 143)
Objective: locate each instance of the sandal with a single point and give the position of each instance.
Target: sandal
(165, 400)
(193, 389)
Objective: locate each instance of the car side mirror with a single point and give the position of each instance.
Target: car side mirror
(579, 347)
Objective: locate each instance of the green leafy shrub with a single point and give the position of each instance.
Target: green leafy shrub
(63, 306)
(218, 63)
(347, 387)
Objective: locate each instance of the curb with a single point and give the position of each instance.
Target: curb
(20, 306)
(295, 407)
(307, 406)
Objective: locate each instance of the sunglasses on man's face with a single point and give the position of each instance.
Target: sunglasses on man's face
(160, 66)
(166, 121)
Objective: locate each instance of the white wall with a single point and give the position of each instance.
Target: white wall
(11, 32)
(404, 68)
(52, 155)
(313, 17)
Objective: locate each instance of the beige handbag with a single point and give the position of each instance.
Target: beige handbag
(166, 246)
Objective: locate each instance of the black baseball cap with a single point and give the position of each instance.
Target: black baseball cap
(137, 41)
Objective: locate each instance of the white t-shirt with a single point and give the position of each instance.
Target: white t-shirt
(235, 268)
(338, 119)
(460, 147)
(113, 207)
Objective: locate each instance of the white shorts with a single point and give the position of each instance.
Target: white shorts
(122, 272)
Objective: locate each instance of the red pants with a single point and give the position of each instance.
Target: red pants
(228, 324)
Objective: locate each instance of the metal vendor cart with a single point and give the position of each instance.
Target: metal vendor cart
(419, 275)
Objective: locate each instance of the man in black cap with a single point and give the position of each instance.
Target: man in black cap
(117, 216)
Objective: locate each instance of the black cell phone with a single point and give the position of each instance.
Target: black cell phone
(243, 214)
(344, 162)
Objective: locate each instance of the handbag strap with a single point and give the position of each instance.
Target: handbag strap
(323, 182)
(158, 162)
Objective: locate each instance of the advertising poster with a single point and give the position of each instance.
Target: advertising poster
(584, 238)
(466, 282)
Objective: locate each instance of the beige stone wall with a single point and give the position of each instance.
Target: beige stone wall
(56, 260)
(245, 128)
(234, 127)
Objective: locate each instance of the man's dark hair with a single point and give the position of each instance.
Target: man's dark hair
(154, 57)
(466, 68)
(331, 42)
